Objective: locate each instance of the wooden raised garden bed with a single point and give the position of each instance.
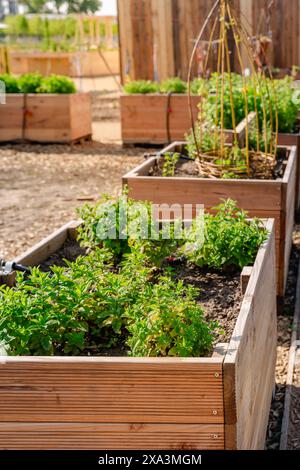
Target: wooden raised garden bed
(75, 64)
(291, 140)
(91, 64)
(46, 118)
(218, 402)
(156, 119)
(261, 198)
(45, 63)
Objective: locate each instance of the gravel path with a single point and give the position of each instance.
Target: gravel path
(285, 321)
(41, 185)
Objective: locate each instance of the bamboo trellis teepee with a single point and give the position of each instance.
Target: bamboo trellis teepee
(257, 156)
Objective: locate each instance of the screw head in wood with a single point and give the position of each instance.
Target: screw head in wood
(215, 412)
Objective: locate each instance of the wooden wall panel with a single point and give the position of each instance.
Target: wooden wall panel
(157, 36)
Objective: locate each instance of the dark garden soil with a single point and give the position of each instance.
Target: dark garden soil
(219, 293)
(188, 168)
(70, 251)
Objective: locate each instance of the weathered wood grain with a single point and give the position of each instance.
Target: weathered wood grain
(74, 64)
(291, 140)
(175, 24)
(144, 118)
(11, 118)
(249, 366)
(46, 118)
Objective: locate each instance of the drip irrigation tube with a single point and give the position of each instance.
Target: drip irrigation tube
(168, 115)
(182, 156)
(7, 267)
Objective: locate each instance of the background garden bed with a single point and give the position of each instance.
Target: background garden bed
(60, 118)
(149, 403)
(74, 64)
(156, 119)
(290, 140)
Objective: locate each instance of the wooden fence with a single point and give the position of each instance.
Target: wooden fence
(157, 36)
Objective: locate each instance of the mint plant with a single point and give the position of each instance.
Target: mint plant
(104, 218)
(171, 323)
(231, 239)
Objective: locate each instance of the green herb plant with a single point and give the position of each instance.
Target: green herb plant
(141, 87)
(57, 84)
(10, 82)
(30, 82)
(35, 83)
(173, 85)
(231, 239)
(169, 164)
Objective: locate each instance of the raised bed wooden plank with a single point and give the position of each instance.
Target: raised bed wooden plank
(76, 436)
(11, 121)
(48, 118)
(144, 118)
(108, 391)
(74, 64)
(91, 64)
(290, 140)
(45, 63)
(249, 365)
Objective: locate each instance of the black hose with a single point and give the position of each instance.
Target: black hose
(168, 115)
(21, 268)
(182, 156)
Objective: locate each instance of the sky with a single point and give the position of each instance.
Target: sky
(109, 7)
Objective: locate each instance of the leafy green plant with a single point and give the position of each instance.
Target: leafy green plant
(207, 140)
(170, 85)
(198, 86)
(295, 71)
(30, 82)
(70, 310)
(212, 102)
(107, 224)
(230, 239)
(10, 82)
(35, 83)
(141, 87)
(170, 162)
(172, 323)
(173, 85)
(57, 84)
(91, 306)
(275, 96)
